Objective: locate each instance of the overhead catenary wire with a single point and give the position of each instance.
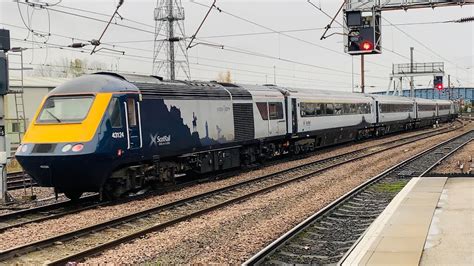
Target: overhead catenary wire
(219, 45)
(142, 59)
(421, 43)
(104, 21)
(249, 52)
(97, 42)
(241, 51)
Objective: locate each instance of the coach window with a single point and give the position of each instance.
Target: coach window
(308, 109)
(367, 108)
(275, 110)
(338, 109)
(114, 113)
(320, 109)
(347, 109)
(131, 112)
(329, 109)
(263, 109)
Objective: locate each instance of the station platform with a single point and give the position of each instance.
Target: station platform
(430, 222)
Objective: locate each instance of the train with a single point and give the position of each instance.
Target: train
(116, 133)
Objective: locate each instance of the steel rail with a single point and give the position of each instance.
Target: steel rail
(55, 210)
(18, 251)
(269, 249)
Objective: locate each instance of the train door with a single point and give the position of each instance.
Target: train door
(294, 115)
(133, 122)
(276, 119)
(416, 110)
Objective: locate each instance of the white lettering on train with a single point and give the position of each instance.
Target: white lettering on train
(157, 140)
(118, 135)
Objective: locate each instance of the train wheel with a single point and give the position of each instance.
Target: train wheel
(73, 195)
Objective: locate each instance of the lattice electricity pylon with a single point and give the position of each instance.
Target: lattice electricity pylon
(169, 33)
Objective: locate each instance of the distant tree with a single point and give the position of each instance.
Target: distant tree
(77, 67)
(224, 77)
(97, 66)
(44, 71)
(67, 68)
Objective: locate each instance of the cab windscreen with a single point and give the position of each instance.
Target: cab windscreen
(65, 109)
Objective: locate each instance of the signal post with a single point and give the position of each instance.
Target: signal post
(4, 47)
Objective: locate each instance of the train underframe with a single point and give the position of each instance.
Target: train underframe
(157, 172)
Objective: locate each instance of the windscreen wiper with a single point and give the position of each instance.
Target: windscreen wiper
(55, 117)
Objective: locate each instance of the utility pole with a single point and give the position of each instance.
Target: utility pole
(169, 22)
(4, 47)
(412, 79)
(449, 87)
(274, 75)
(362, 74)
(352, 76)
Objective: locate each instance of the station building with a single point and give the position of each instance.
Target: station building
(34, 90)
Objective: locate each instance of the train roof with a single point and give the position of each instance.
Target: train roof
(95, 83)
(391, 98)
(154, 86)
(320, 93)
(443, 101)
(425, 101)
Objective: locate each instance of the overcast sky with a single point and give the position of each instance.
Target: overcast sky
(299, 58)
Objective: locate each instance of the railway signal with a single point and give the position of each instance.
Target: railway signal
(362, 21)
(438, 83)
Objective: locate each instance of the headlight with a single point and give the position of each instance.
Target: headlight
(24, 148)
(18, 149)
(66, 148)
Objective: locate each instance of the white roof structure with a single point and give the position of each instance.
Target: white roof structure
(36, 82)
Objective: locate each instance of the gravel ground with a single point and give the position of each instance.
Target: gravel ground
(37, 231)
(233, 234)
(463, 157)
(44, 195)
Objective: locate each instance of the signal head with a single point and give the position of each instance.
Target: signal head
(367, 46)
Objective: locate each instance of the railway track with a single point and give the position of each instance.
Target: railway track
(19, 180)
(77, 245)
(326, 236)
(57, 210)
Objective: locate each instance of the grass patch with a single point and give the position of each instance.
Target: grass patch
(390, 187)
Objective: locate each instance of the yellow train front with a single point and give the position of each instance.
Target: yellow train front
(77, 136)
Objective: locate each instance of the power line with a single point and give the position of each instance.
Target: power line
(249, 21)
(105, 15)
(246, 52)
(134, 57)
(422, 44)
(282, 33)
(232, 49)
(94, 19)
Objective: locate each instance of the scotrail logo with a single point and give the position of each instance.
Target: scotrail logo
(157, 140)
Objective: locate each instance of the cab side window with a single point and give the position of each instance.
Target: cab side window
(263, 109)
(115, 114)
(131, 112)
(276, 110)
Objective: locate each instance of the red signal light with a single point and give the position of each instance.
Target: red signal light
(439, 87)
(77, 147)
(367, 46)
